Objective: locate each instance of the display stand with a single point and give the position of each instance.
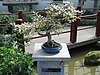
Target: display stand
(48, 63)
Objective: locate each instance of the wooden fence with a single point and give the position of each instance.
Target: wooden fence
(74, 25)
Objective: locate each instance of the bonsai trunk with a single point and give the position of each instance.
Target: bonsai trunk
(50, 43)
(49, 36)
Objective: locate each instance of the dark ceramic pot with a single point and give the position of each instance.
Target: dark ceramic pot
(51, 50)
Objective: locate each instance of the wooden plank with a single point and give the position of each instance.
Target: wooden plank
(19, 3)
(10, 1)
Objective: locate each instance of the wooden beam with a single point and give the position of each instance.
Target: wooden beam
(19, 3)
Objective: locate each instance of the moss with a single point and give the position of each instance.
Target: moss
(92, 58)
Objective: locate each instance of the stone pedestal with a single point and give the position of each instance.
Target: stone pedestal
(50, 64)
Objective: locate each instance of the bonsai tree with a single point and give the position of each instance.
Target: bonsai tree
(56, 18)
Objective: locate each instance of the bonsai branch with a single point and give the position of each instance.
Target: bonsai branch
(47, 33)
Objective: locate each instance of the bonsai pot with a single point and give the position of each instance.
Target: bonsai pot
(55, 49)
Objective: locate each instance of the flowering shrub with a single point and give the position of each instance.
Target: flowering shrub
(24, 28)
(22, 34)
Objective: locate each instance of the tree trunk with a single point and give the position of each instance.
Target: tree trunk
(49, 36)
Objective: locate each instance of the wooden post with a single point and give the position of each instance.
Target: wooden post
(20, 17)
(78, 8)
(20, 14)
(98, 25)
(73, 34)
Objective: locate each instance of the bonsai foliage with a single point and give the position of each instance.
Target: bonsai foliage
(14, 62)
(56, 17)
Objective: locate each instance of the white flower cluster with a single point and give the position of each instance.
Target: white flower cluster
(24, 28)
(64, 12)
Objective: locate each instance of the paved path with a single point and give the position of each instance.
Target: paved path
(84, 37)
